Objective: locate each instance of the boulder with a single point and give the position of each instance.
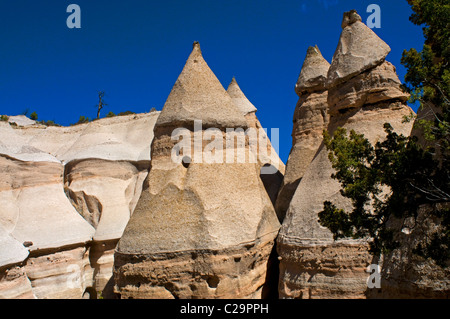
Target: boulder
(359, 49)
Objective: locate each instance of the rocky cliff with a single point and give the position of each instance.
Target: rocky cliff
(66, 196)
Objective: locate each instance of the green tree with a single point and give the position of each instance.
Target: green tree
(414, 173)
(83, 119)
(34, 116)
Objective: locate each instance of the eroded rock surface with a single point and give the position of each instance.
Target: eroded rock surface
(312, 264)
(224, 222)
(310, 119)
(66, 195)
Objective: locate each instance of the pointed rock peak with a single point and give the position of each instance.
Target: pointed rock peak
(199, 95)
(314, 72)
(350, 17)
(196, 48)
(239, 98)
(359, 49)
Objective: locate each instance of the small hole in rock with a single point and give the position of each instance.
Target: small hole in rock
(186, 161)
(213, 281)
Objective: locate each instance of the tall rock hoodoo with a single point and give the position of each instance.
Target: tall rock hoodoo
(363, 93)
(272, 166)
(310, 119)
(204, 226)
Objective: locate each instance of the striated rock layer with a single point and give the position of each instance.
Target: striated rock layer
(310, 119)
(66, 195)
(219, 211)
(364, 93)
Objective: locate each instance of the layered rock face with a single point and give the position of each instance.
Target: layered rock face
(66, 196)
(363, 93)
(310, 119)
(216, 204)
(39, 217)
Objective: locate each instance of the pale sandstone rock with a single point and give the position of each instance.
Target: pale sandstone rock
(21, 120)
(359, 49)
(107, 160)
(11, 251)
(313, 75)
(372, 86)
(105, 193)
(301, 230)
(62, 274)
(192, 99)
(310, 119)
(14, 284)
(218, 211)
(239, 98)
(40, 217)
(303, 244)
(272, 166)
(43, 215)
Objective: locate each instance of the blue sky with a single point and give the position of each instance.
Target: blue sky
(134, 50)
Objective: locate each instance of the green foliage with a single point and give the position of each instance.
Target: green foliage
(110, 114)
(83, 119)
(428, 73)
(4, 118)
(125, 113)
(49, 123)
(398, 164)
(34, 116)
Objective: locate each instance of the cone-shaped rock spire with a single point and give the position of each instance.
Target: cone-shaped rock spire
(364, 94)
(359, 49)
(266, 154)
(198, 95)
(314, 72)
(310, 119)
(194, 212)
(239, 98)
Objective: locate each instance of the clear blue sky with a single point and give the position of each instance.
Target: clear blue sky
(134, 50)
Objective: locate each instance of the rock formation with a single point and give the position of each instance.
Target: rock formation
(224, 222)
(66, 195)
(363, 93)
(272, 166)
(310, 119)
(404, 274)
(180, 204)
